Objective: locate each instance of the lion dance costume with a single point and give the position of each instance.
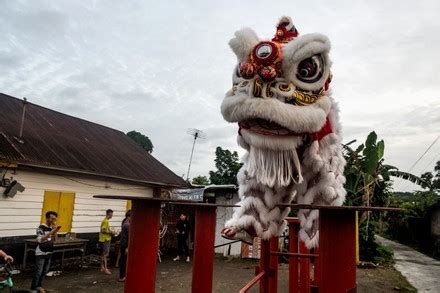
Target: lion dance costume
(289, 125)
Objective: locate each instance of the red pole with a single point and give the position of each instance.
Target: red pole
(273, 277)
(337, 251)
(203, 250)
(269, 265)
(264, 266)
(143, 247)
(293, 261)
(316, 269)
(304, 264)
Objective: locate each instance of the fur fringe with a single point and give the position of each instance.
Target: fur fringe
(274, 168)
(324, 164)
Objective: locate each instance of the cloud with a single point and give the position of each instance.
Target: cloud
(163, 67)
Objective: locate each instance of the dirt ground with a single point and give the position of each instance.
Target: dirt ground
(229, 276)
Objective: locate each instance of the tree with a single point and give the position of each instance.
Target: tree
(432, 178)
(428, 177)
(227, 164)
(412, 227)
(200, 180)
(368, 183)
(141, 140)
(365, 172)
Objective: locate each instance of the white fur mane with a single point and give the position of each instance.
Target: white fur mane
(274, 171)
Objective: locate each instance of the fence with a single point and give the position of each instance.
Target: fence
(332, 269)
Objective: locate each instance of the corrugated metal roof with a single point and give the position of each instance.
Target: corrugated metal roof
(55, 140)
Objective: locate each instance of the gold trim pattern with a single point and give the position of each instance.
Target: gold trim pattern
(295, 96)
(305, 99)
(258, 88)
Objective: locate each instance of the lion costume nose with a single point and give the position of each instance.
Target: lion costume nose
(264, 60)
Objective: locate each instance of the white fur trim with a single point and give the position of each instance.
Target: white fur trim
(309, 242)
(323, 161)
(258, 207)
(299, 119)
(276, 143)
(322, 164)
(286, 19)
(241, 142)
(243, 43)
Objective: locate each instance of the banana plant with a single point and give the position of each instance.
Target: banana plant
(366, 171)
(368, 179)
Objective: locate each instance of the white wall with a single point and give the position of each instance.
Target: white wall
(21, 215)
(224, 214)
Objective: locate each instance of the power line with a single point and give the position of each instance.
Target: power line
(435, 158)
(416, 162)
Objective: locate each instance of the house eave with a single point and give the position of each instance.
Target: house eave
(106, 176)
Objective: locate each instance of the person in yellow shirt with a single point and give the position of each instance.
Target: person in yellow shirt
(105, 237)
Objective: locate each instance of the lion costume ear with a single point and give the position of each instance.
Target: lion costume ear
(243, 43)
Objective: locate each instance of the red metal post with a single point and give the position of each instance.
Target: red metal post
(264, 265)
(203, 249)
(293, 261)
(337, 248)
(304, 277)
(269, 265)
(252, 282)
(273, 277)
(143, 247)
(316, 269)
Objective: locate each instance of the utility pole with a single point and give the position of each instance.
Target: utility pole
(196, 133)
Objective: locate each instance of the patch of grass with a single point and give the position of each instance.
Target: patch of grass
(402, 284)
(384, 255)
(382, 279)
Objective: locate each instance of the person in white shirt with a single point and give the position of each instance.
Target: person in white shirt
(46, 235)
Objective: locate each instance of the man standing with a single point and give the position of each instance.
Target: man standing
(46, 236)
(124, 245)
(183, 228)
(105, 237)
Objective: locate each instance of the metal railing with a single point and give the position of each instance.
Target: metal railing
(334, 267)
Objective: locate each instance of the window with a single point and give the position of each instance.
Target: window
(62, 203)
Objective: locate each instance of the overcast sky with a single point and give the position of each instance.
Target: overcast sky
(161, 67)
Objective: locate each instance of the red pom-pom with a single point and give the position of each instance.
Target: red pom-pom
(268, 73)
(247, 70)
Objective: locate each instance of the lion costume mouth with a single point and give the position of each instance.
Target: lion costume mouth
(265, 127)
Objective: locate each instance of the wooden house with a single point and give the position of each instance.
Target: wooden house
(61, 162)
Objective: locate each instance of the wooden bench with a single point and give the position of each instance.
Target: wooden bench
(60, 245)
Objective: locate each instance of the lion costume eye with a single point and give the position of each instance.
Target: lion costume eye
(310, 70)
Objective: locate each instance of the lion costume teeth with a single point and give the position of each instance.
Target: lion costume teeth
(289, 125)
